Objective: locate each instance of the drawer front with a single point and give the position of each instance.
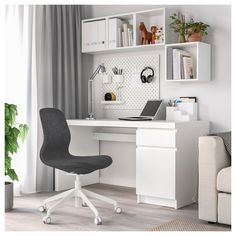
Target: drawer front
(155, 172)
(156, 138)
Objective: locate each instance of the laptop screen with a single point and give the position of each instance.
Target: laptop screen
(151, 108)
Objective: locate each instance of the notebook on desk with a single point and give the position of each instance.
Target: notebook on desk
(149, 111)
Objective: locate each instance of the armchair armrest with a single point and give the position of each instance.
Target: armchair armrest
(212, 158)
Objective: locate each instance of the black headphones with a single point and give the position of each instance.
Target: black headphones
(149, 78)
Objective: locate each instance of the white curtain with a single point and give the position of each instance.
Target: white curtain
(43, 69)
(30, 90)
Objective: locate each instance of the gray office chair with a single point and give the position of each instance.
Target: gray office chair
(55, 153)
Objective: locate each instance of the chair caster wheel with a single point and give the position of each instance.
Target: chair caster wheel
(118, 210)
(47, 220)
(42, 208)
(98, 220)
(84, 204)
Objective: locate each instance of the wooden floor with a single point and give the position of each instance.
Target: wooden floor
(137, 217)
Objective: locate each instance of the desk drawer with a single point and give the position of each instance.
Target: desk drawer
(156, 138)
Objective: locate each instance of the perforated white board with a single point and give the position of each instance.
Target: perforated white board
(134, 93)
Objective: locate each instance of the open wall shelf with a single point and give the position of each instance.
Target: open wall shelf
(104, 40)
(101, 42)
(201, 56)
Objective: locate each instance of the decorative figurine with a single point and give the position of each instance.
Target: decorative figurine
(159, 36)
(153, 30)
(146, 37)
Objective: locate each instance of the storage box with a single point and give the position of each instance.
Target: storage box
(182, 112)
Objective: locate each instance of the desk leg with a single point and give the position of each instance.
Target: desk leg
(82, 144)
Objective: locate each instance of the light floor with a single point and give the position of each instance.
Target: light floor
(137, 217)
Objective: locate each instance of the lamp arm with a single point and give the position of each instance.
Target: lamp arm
(95, 73)
(90, 90)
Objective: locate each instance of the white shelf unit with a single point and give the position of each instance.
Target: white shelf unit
(112, 102)
(201, 54)
(93, 44)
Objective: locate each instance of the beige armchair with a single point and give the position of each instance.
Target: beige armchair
(214, 181)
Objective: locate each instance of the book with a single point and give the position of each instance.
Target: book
(188, 67)
(123, 39)
(126, 28)
(175, 65)
(169, 64)
(130, 37)
(178, 71)
(125, 35)
(119, 43)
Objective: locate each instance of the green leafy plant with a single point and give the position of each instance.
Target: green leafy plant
(13, 133)
(196, 27)
(178, 24)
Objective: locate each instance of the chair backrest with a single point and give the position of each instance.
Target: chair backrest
(56, 134)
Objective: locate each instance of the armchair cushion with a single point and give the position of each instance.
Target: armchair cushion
(224, 180)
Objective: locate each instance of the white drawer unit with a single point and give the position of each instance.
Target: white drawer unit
(166, 164)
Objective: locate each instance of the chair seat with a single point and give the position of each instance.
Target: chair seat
(81, 164)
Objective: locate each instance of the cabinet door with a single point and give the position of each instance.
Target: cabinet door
(155, 172)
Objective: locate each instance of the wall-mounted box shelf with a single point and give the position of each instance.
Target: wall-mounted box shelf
(201, 55)
(102, 41)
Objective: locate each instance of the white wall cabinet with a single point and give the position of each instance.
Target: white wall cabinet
(100, 35)
(95, 31)
(201, 55)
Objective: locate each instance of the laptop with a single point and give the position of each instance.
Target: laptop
(149, 112)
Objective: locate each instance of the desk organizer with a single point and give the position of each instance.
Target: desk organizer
(182, 112)
(118, 78)
(106, 79)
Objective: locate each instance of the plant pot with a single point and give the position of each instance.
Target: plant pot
(195, 37)
(8, 196)
(181, 38)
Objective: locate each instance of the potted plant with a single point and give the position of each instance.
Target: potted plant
(179, 26)
(196, 30)
(13, 133)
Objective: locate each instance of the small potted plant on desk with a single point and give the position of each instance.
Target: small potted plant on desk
(13, 133)
(196, 30)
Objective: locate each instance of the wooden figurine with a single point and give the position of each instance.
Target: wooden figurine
(146, 37)
(153, 30)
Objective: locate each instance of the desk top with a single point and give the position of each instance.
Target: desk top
(161, 124)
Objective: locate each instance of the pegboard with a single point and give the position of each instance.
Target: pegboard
(133, 93)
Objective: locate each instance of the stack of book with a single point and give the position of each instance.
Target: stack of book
(180, 64)
(120, 33)
(126, 35)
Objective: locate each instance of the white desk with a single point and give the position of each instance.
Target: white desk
(165, 161)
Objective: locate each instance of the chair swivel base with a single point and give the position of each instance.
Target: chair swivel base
(79, 194)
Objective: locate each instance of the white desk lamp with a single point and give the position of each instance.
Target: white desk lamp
(101, 68)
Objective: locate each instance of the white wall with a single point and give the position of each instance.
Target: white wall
(215, 96)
